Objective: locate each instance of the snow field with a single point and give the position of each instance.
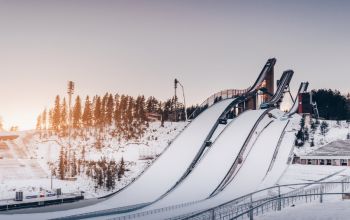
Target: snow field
(215, 164)
(158, 178)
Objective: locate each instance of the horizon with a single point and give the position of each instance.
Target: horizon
(128, 48)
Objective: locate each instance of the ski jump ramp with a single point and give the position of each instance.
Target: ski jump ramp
(187, 171)
(252, 173)
(160, 176)
(215, 164)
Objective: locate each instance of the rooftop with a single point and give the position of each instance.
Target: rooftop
(335, 148)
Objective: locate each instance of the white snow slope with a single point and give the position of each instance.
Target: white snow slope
(248, 179)
(216, 163)
(163, 173)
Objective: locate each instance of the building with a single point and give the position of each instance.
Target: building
(5, 136)
(336, 153)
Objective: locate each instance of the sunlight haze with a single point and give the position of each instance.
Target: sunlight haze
(139, 47)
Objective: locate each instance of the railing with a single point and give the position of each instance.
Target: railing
(277, 148)
(257, 202)
(237, 163)
(219, 96)
(271, 199)
(40, 201)
(154, 211)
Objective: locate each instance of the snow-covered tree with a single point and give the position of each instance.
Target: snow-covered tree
(56, 114)
(87, 115)
(77, 113)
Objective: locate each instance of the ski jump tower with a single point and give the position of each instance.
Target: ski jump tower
(265, 84)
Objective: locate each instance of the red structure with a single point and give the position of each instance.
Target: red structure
(305, 103)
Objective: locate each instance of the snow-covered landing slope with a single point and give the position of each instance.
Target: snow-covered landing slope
(163, 173)
(216, 163)
(256, 164)
(246, 180)
(281, 161)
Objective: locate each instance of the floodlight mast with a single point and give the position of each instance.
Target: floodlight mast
(183, 94)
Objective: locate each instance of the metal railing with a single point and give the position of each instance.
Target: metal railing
(237, 163)
(257, 202)
(271, 199)
(219, 96)
(253, 204)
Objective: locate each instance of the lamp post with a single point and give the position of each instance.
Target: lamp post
(183, 94)
(175, 104)
(70, 91)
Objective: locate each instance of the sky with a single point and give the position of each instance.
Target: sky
(139, 47)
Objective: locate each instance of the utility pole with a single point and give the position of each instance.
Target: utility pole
(70, 92)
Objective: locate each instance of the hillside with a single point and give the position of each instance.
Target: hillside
(43, 153)
(336, 130)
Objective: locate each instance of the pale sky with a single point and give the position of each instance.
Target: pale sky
(139, 47)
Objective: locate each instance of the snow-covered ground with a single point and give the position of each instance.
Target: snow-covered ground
(336, 131)
(328, 210)
(332, 208)
(253, 174)
(297, 173)
(26, 166)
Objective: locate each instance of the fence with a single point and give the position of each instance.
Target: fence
(219, 96)
(256, 203)
(245, 207)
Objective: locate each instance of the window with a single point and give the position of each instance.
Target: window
(329, 162)
(343, 162)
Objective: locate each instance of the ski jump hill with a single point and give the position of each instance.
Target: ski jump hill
(236, 142)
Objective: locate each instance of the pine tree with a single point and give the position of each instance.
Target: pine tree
(109, 178)
(152, 104)
(142, 112)
(113, 166)
(97, 112)
(38, 123)
(61, 164)
(87, 115)
(121, 169)
(109, 109)
(129, 111)
(324, 128)
(77, 113)
(167, 109)
(117, 112)
(104, 109)
(83, 152)
(123, 106)
(56, 114)
(302, 122)
(99, 177)
(43, 119)
(74, 165)
(51, 119)
(137, 108)
(64, 117)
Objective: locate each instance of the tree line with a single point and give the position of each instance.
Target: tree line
(126, 114)
(331, 104)
(103, 172)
